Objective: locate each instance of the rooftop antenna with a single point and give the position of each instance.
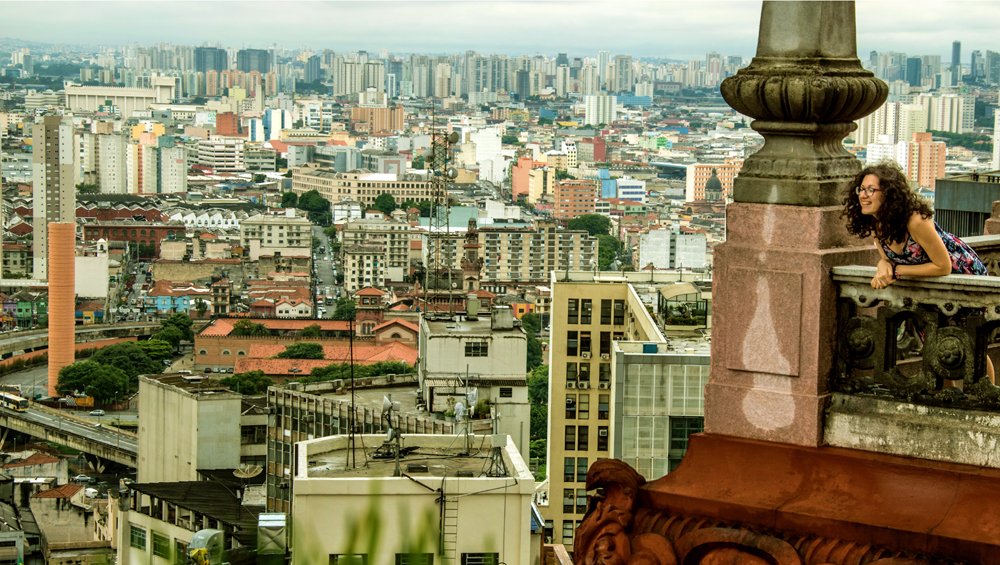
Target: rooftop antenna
(391, 447)
(244, 474)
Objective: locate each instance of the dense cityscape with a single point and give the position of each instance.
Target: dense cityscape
(290, 305)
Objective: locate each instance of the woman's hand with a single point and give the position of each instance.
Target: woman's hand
(883, 277)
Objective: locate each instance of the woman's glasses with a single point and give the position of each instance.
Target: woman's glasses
(866, 190)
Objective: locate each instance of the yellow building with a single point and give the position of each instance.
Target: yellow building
(617, 388)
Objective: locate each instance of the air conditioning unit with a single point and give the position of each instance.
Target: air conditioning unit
(605, 356)
(570, 384)
(584, 384)
(602, 433)
(602, 386)
(585, 355)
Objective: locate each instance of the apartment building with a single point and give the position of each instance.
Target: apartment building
(221, 154)
(617, 389)
(698, 175)
(574, 198)
(374, 250)
(267, 234)
(54, 160)
(362, 186)
(514, 257)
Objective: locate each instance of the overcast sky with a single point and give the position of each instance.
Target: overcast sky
(669, 29)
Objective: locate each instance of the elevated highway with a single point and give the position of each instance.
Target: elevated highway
(95, 439)
(15, 343)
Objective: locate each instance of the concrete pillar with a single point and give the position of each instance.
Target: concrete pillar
(62, 299)
(775, 318)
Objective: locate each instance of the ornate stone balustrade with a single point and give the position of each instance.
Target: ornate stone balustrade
(874, 335)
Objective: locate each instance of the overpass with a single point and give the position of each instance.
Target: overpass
(15, 343)
(102, 442)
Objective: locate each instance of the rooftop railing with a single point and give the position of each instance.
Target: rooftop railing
(909, 340)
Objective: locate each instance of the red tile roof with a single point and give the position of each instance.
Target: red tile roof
(363, 354)
(35, 459)
(369, 291)
(224, 326)
(396, 321)
(177, 288)
(64, 491)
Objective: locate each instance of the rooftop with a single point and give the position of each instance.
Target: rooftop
(189, 383)
(211, 499)
(63, 491)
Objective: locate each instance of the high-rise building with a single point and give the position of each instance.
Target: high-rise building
(976, 66)
(603, 58)
(623, 74)
(956, 62)
(562, 60)
(924, 160)
(991, 67)
(313, 70)
(562, 81)
(574, 198)
(589, 81)
(210, 59)
(600, 109)
(898, 120)
(248, 60)
(53, 169)
(914, 66)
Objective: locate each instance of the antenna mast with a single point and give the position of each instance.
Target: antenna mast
(440, 228)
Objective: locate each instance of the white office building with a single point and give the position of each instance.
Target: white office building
(600, 109)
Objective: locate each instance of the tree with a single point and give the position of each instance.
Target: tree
(201, 308)
(92, 378)
(258, 178)
(156, 348)
(534, 357)
(531, 322)
(508, 139)
(317, 207)
(385, 203)
(83, 188)
(130, 358)
(595, 224)
(538, 385)
(418, 162)
(182, 322)
(342, 371)
(246, 328)
(250, 383)
(607, 251)
(289, 200)
(544, 122)
(330, 233)
(424, 207)
(312, 330)
(539, 423)
(171, 335)
(561, 174)
(345, 310)
(302, 350)
(538, 448)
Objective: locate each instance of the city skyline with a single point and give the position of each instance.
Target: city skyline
(681, 30)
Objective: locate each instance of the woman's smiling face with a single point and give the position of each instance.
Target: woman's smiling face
(870, 195)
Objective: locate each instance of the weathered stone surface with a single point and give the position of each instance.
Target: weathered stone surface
(885, 425)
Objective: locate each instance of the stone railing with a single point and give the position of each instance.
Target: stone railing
(902, 342)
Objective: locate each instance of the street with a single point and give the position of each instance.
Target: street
(323, 267)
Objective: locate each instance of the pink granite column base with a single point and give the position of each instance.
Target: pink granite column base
(774, 321)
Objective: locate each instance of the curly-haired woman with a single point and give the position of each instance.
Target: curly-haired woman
(881, 205)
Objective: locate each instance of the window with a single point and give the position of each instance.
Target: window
(605, 343)
(143, 233)
(680, 428)
(584, 406)
(574, 311)
(581, 469)
(133, 233)
(568, 528)
(414, 559)
(506, 392)
(572, 347)
(571, 371)
(581, 501)
(584, 342)
(605, 312)
(226, 352)
(619, 318)
(476, 348)
(480, 559)
(603, 406)
(161, 545)
(568, 464)
(137, 538)
(568, 500)
(241, 353)
(349, 559)
(570, 406)
(584, 372)
(180, 552)
(604, 372)
(570, 438)
(202, 352)
(602, 438)
(587, 307)
(583, 438)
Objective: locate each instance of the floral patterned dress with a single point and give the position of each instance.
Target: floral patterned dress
(964, 260)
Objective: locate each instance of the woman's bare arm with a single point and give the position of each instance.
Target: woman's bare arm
(923, 232)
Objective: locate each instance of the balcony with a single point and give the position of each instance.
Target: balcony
(907, 380)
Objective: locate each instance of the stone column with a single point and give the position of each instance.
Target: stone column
(774, 319)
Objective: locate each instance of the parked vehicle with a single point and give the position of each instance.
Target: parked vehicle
(97, 412)
(81, 479)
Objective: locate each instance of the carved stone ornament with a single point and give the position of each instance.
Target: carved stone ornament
(804, 89)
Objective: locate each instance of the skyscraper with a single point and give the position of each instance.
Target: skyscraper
(914, 66)
(54, 196)
(603, 58)
(976, 67)
(248, 60)
(623, 74)
(313, 71)
(956, 62)
(562, 60)
(210, 59)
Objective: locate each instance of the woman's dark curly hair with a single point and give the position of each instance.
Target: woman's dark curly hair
(898, 204)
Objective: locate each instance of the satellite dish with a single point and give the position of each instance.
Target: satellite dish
(248, 471)
(386, 405)
(459, 412)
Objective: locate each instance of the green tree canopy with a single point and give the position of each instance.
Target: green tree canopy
(289, 200)
(201, 307)
(508, 139)
(157, 349)
(302, 350)
(182, 322)
(330, 233)
(424, 207)
(250, 383)
(83, 188)
(317, 207)
(418, 162)
(538, 385)
(247, 328)
(607, 251)
(531, 322)
(171, 335)
(343, 371)
(257, 178)
(534, 357)
(539, 422)
(128, 357)
(544, 121)
(385, 203)
(595, 224)
(345, 310)
(312, 330)
(103, 382)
